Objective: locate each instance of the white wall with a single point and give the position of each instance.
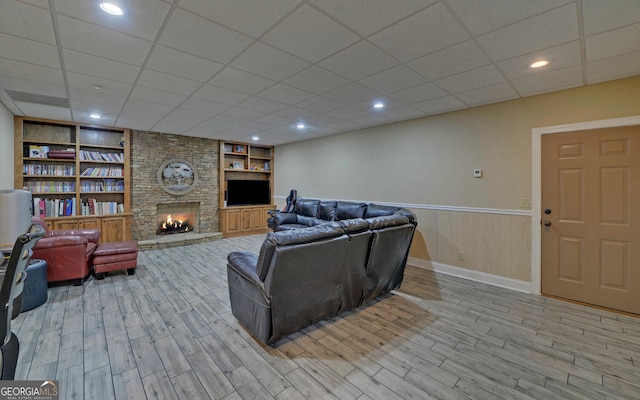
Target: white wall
(6, 148)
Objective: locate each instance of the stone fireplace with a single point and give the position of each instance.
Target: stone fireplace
(175, 218)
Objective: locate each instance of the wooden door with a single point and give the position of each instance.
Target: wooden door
(89, 223)
(113, 229)
(590, 216)
(245, 219)
(65, 224)
(231, 221)
(257, 218)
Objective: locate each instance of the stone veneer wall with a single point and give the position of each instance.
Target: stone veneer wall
(148, 151)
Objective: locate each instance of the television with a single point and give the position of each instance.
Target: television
(247, 192)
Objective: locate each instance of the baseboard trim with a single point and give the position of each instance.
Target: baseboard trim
(477, 276)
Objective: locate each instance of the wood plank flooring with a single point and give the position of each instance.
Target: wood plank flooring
(168, 333)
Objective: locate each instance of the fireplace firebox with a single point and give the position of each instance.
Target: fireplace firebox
(177, 218)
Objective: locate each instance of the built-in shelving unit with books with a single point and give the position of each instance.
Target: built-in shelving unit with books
(245, 162)
(79, 175)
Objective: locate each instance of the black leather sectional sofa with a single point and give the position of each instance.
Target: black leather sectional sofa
(314, 268)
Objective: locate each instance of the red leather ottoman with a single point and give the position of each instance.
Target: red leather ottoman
(115, 256)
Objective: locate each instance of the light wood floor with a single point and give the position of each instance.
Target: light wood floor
(168, 333)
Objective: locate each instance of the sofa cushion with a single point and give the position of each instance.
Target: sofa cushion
(307, 208)
(354, 225)
(349, 210)
(291, 237)
(327, 210)
(376, 210)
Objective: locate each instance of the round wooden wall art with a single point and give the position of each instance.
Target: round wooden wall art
(177, 177)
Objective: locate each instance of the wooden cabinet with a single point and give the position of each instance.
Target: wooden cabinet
(245, 162)
(78, 174)
(247, 220)
(114, 229)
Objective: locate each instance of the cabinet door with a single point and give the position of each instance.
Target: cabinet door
(258, 218)
(265, 215)
(113, 229)
(232, 221)
(65, 224)
(91, 223)
(245, 219)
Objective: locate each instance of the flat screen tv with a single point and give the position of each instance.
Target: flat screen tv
(247, 192)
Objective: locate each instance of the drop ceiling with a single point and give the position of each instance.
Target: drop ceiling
(235, 69)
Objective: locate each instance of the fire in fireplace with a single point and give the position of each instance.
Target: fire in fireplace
(174, 226)
(177, 218)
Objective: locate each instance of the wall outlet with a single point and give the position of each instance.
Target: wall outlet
(477, 173)
(460, 255)
(525, 203)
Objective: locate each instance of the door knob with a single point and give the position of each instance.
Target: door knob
(547, 223)
(547, 211)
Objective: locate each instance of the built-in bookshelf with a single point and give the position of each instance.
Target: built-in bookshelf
(76, 173)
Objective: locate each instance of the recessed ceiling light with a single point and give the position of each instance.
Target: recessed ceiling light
(98, 87)
(301, 126)
(378, 105)
(540, 64)
(95, 116)
(111, 8)
(255, 138)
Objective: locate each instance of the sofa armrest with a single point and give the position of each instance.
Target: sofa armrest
(53, 242)
(245, 264)
(285, 218)
(92, 235)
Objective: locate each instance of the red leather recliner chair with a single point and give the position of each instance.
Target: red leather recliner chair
(68, 252)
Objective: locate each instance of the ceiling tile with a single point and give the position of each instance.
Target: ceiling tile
(102, 42)
(285, 94)
(418, 93)
(167, 83)
(141, 106)
(242, 113)
(174, 62)
(319, 104)
(143, 18)
(369, 16)
(88, 83)
(79, 95)
(352, 93)
(203, 38)
(613, 43)
(423, 33)
(401, 113)
(550, 81)
(175, 124)
(204, 106)
(252, 17)
(85, 108)
(316, 80)
(310, 35)
(371, 120)
(321, 120)
(344, 126)
(348, 112)
(269, 62)
(240, 81)
(133, 119)
(394, 79)
(84, 117)
(157, 96)
(223, 122)
(545, 30)
(274, 120)
(29, 51)
(88, 64)
(30, 86)
(359, 61)
(484, 76)
(31, 72)
(488, 15)
(262, 105)
(26, 21)
(600, 16)
(294, 113)
(197, 115)
(613, 68)
(488, 94)
(220, 95)
(450, 61)
(44, 111)
(565, 55)
(439, 105)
